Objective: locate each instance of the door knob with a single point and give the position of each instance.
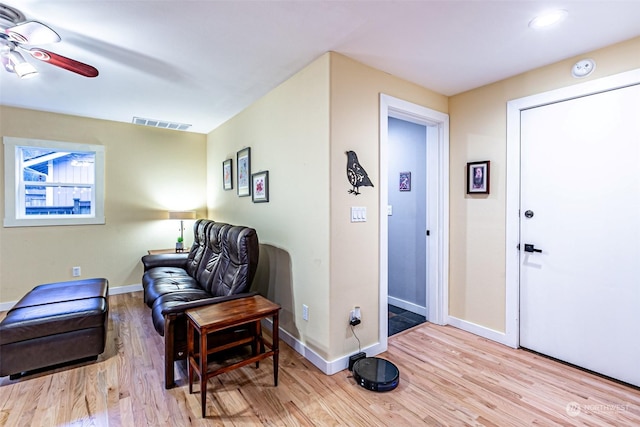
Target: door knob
(531, 248)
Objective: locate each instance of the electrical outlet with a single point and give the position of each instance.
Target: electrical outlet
(355, 318)
(75, 271)
(305, 312)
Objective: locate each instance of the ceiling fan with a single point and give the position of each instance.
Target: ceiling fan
(19, 35)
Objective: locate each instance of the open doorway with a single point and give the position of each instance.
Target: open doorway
(436, 212)
(407, 222)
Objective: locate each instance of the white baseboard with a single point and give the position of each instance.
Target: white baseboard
(481, 331)
(327, 367)
(406, 305)
(342, 363)
(5, 306)
(125, 289)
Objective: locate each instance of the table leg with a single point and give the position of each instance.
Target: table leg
(262, 350)
(275, 346)
(169, 375)
(257, 345)
(190, 354)
(203, 372)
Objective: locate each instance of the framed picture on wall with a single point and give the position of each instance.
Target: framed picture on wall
(260, 187)
(478, 177)
(227, 174)
(405, 181)
(243, 162)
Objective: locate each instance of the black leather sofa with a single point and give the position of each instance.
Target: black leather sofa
(55, 324)
(220, 266)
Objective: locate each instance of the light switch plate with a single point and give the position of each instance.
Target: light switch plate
(358, 214)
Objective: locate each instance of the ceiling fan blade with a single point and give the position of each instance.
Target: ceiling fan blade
(32, 32)
(63, 62)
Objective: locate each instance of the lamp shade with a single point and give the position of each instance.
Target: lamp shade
(182, 214)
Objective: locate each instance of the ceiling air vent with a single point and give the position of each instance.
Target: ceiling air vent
(160, 124)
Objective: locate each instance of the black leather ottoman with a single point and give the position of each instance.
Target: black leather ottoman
(53, 324)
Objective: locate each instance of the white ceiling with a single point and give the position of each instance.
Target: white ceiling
(201, 62)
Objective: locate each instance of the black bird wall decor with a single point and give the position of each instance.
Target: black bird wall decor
(356, 174)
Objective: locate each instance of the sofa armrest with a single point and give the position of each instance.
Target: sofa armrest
(178, 260)
(181, 308)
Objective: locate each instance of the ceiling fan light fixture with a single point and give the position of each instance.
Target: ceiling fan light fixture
(548, 19)
(25, 70)
(16, 33)
(21, 67)
(33, 32)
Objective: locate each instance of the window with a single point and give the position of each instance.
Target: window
(53, 183)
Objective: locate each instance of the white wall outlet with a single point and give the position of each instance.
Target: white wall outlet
(305, 312)
(355, 317)
(75, 271)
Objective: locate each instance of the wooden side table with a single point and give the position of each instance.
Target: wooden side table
(212, 318)
(167, 251)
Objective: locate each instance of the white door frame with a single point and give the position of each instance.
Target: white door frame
(437, 124)
(512, 262)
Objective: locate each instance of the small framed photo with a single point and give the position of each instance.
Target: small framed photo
(243, 162)
(227, 174)
(478, 174)
(405, 181)
(260, 187)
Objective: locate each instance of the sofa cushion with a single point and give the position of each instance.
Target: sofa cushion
(171, 300)
(214, 255)
(166, 285)
(196, 254)
(234, 275)
(162, 272)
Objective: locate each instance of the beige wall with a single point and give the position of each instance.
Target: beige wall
(148, 171)
(300, 132)
(477, 224)
(355, 125)
(288, 132)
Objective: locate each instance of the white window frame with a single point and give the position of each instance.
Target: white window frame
(13, 216)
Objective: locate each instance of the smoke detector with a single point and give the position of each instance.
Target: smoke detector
(583, 68)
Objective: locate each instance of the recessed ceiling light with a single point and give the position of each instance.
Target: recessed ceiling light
(548, 19)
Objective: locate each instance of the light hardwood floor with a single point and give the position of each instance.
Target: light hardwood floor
(447, 378)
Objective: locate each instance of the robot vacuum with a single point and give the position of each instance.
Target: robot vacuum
(376, 374)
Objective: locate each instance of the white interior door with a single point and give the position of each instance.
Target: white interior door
(580, 206)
